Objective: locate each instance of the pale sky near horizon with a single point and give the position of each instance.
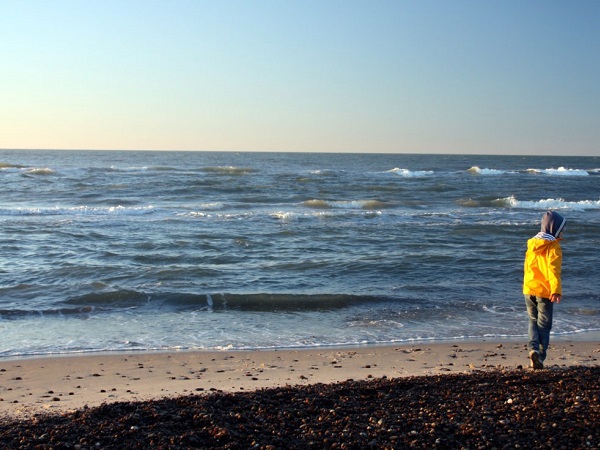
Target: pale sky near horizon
(419, 76)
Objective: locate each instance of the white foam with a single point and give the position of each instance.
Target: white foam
(478, 170)
(410, 173)
(561, 171)
(282, 215)
(230, 170)
(39, 171)
(344, 204)
(322, 172)
(549, 203)
(211, 206)
(128, 169)
(77, 210)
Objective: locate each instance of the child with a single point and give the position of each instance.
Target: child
(542, 284)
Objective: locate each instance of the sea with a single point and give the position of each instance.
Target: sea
(112, 251)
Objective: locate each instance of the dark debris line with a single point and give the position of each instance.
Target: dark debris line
(558, 409)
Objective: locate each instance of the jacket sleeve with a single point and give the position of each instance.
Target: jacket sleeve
(554, 261)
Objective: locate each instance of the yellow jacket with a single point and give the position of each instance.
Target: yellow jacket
(543, 261)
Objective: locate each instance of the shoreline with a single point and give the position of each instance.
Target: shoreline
(34, 385)
(586, 337)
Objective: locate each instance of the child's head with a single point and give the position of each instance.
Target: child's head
(553, 223)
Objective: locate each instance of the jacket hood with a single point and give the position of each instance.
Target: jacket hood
(553, 223)
(540, 244)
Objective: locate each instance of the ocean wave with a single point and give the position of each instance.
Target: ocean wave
(212, 206)
(77, 211)
(288, 302)
(345, 204)
(561, 171)
(4, 165)
(217, 215)
(411, 173)
(264, 302)
(14, 314)
(164, 169)
(83, 305)
(123, 300)
(468, 202)
(549, 203)
(129, 169)
(39, 171)
(479, 171)
(324, 172)
(229, 170)
(317, 210)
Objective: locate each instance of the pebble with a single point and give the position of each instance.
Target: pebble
(475, 410)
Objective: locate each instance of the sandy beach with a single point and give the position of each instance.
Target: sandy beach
(67, 383)
(443, 395)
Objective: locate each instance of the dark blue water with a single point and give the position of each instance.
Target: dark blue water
(165, 250)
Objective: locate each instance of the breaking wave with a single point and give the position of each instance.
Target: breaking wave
(77, 211)
(110, 302)
(549, 203)
(561, 171)
(479, 171)
(229, 170)
(345, 204)
(411, 173)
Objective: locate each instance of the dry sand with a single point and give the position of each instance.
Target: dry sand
(29, 386)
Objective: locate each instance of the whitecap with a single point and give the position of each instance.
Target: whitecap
(211, 206)
(510, 202)
(229, 170)
(77, 210)
(322, 172)
(345, 204)
(315, 203)
(10, 167)
(39, 171)
(410, 173)
(373, 204)
(561, 171)
(549, 203)
(282, 215)
(479, 171)
(352, 204)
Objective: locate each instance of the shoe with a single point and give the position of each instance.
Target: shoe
(536, 363)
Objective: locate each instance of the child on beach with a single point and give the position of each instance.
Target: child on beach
(542, 284)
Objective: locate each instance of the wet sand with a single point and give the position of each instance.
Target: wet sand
(67, 383)
(367, 395)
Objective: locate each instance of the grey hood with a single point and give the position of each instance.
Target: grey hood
(552, 223)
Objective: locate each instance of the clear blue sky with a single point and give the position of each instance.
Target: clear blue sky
(440, 76)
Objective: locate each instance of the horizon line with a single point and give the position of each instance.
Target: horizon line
(457, 153)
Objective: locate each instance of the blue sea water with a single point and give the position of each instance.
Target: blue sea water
(115, 251)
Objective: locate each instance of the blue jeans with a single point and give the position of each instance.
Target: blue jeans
(540, 323)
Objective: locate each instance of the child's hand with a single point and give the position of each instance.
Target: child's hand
(555, 298)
